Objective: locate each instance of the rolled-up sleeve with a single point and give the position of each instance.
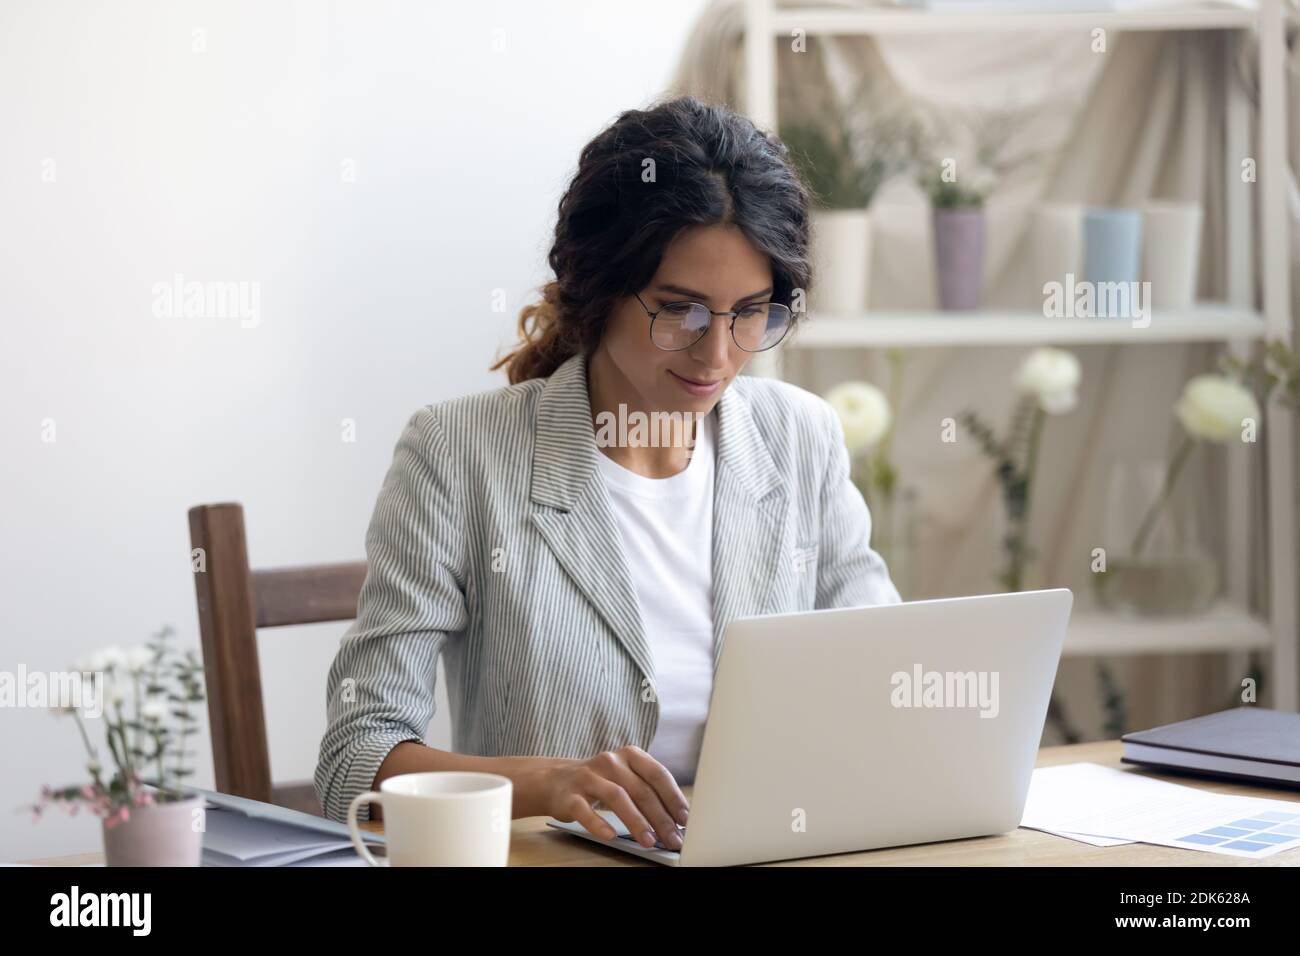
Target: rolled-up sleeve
(380, 690)
(849, 572)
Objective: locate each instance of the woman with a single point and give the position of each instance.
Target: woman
(577, 572)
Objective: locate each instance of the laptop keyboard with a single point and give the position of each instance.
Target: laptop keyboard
(681, 832)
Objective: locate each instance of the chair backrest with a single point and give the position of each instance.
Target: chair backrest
(233, 603)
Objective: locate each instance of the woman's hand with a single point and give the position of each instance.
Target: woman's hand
(628, 781)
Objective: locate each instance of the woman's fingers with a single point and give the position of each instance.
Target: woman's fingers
(618, 800)
(639, 790)
(581, 810)
(661, 779)
(647, 800)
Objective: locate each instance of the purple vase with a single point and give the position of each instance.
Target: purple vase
(959, 256)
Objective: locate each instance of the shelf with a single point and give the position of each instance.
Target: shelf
(1203, 323)
(1255, 259)
(1222, 628)
(878, 22)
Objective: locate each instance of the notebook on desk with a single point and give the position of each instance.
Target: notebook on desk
(1246, 743)
(243, 832)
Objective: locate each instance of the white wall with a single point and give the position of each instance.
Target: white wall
(130, 156)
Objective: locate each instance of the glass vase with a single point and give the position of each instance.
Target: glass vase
(1154, 561)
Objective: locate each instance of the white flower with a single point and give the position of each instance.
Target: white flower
(980, 179)
(864, 414)
(138, 659)
(110, 658)
(1051, 376)
(154, 709)
(1213, 408)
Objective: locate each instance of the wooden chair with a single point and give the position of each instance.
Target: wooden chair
(233, 603)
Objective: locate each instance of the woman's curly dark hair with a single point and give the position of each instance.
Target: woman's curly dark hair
(644, 179)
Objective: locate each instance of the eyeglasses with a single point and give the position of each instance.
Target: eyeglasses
(755, 328)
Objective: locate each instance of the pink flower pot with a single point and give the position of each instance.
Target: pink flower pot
(164, 834)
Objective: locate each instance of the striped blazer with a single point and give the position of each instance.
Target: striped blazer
(494, 546)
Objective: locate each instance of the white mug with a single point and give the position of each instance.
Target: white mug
(440, 818)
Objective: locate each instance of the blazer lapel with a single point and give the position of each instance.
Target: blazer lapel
(572, 511)
(749, 505)
(571, 508)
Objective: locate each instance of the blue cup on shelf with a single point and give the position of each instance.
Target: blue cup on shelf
(1112, 254)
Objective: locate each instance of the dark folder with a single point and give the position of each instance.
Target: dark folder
(1248, 743)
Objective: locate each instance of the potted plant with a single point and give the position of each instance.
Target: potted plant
(958, 163)
(844, 162)
(149, 694)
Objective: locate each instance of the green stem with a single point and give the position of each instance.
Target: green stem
(155, 680)
(895, 357)
(135, 687)
(1031, 459)
(111, 738)
(84, 737)
(1171, 476)
(158, 745)
(127, 763)
(1031, 463)
(94, 754)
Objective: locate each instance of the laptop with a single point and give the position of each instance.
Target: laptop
(853, 729)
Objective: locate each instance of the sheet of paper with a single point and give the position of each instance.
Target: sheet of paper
(1100, 801)
(1054, 795)
(1087, 838)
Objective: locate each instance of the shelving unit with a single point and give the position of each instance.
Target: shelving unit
(1222, 628)
(1205, 323)
(1236, 324)
(883, 21)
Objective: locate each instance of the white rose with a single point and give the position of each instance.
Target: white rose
(864, 414)
(138, 659)
(1052, 376)
(154, 709)
(110, 658)
(1213, 407)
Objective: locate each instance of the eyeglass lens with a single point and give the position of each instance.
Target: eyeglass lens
(757, 327)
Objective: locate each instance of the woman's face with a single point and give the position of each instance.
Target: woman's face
(714, 265)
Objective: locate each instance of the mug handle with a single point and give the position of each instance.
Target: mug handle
(354, 830)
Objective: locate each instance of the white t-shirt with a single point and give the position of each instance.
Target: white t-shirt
(667, 528)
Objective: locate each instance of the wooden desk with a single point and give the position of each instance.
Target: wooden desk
(532, 843)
